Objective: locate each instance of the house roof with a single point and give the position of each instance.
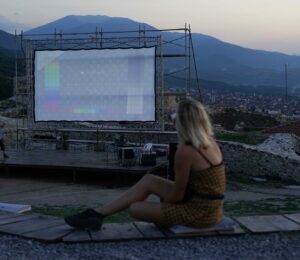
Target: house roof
(290, 128)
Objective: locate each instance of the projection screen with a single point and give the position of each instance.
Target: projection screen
(95, 85)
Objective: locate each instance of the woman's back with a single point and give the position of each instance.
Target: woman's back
(205, 158)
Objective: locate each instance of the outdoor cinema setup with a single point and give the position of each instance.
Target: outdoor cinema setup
(94, 91)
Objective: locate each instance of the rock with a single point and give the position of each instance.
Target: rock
(280, 144)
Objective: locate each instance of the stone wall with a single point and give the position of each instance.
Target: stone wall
(247, 160)
(297, 144)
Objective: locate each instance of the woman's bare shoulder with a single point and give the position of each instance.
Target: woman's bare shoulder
(185, 151)
(213, 152)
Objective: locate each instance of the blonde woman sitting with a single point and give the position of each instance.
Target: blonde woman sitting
(194, 198)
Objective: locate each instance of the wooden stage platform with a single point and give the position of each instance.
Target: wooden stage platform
(76, 162)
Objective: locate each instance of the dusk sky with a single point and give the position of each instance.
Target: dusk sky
(261, 24)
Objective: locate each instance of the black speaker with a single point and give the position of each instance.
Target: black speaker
(128, 154)
(172, 152)
(148, 159)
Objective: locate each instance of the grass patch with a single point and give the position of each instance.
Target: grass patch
(63, 211)
(120, 217)
(245, 138)
(57, 211)
(262, 207)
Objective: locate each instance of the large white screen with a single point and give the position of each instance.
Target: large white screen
(95, 85)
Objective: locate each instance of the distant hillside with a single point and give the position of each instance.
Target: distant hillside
(88, 23)
(7, 41)
(216, 60)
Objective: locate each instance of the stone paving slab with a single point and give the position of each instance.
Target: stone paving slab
(53, 229)
(294, 217)
(78, 236)
(234, 231)
(30, 225)
(14, 218)
(272, 223)
(237, 230)
(53, 234)
(149, 230)
(227, 224)
(117, 231)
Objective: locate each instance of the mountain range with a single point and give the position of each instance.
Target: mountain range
(216, 60)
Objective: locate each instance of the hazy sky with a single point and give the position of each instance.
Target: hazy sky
(260, 24)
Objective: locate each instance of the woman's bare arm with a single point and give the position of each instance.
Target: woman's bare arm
(183, 162)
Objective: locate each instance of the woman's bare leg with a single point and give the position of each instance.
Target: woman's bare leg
(149, 184)
(147, 211)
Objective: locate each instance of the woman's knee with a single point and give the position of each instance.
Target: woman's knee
(148, 178)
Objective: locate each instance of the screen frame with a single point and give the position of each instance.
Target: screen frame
(95, 121)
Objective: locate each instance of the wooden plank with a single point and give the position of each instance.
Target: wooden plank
(77, 236)
(30, 225)
(52, 234)
(116, 231)
(272, 223)
(15, 218)
(295, 217)
(149, 230)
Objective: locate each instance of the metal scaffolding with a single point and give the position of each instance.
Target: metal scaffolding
(99, 39)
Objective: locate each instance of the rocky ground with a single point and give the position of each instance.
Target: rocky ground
(280, 144)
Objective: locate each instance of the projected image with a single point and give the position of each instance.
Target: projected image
(95, 85)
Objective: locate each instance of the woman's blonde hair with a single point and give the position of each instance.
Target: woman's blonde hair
(193, 124)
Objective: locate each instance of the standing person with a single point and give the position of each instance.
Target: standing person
(194, 198)
(2, 146)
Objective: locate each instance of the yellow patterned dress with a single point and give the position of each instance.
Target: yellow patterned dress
(202, 205)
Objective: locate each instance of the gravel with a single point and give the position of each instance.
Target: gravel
(270, 246)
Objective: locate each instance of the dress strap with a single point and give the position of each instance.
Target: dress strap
(205, 157)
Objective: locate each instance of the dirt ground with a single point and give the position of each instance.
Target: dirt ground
(39, 192)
